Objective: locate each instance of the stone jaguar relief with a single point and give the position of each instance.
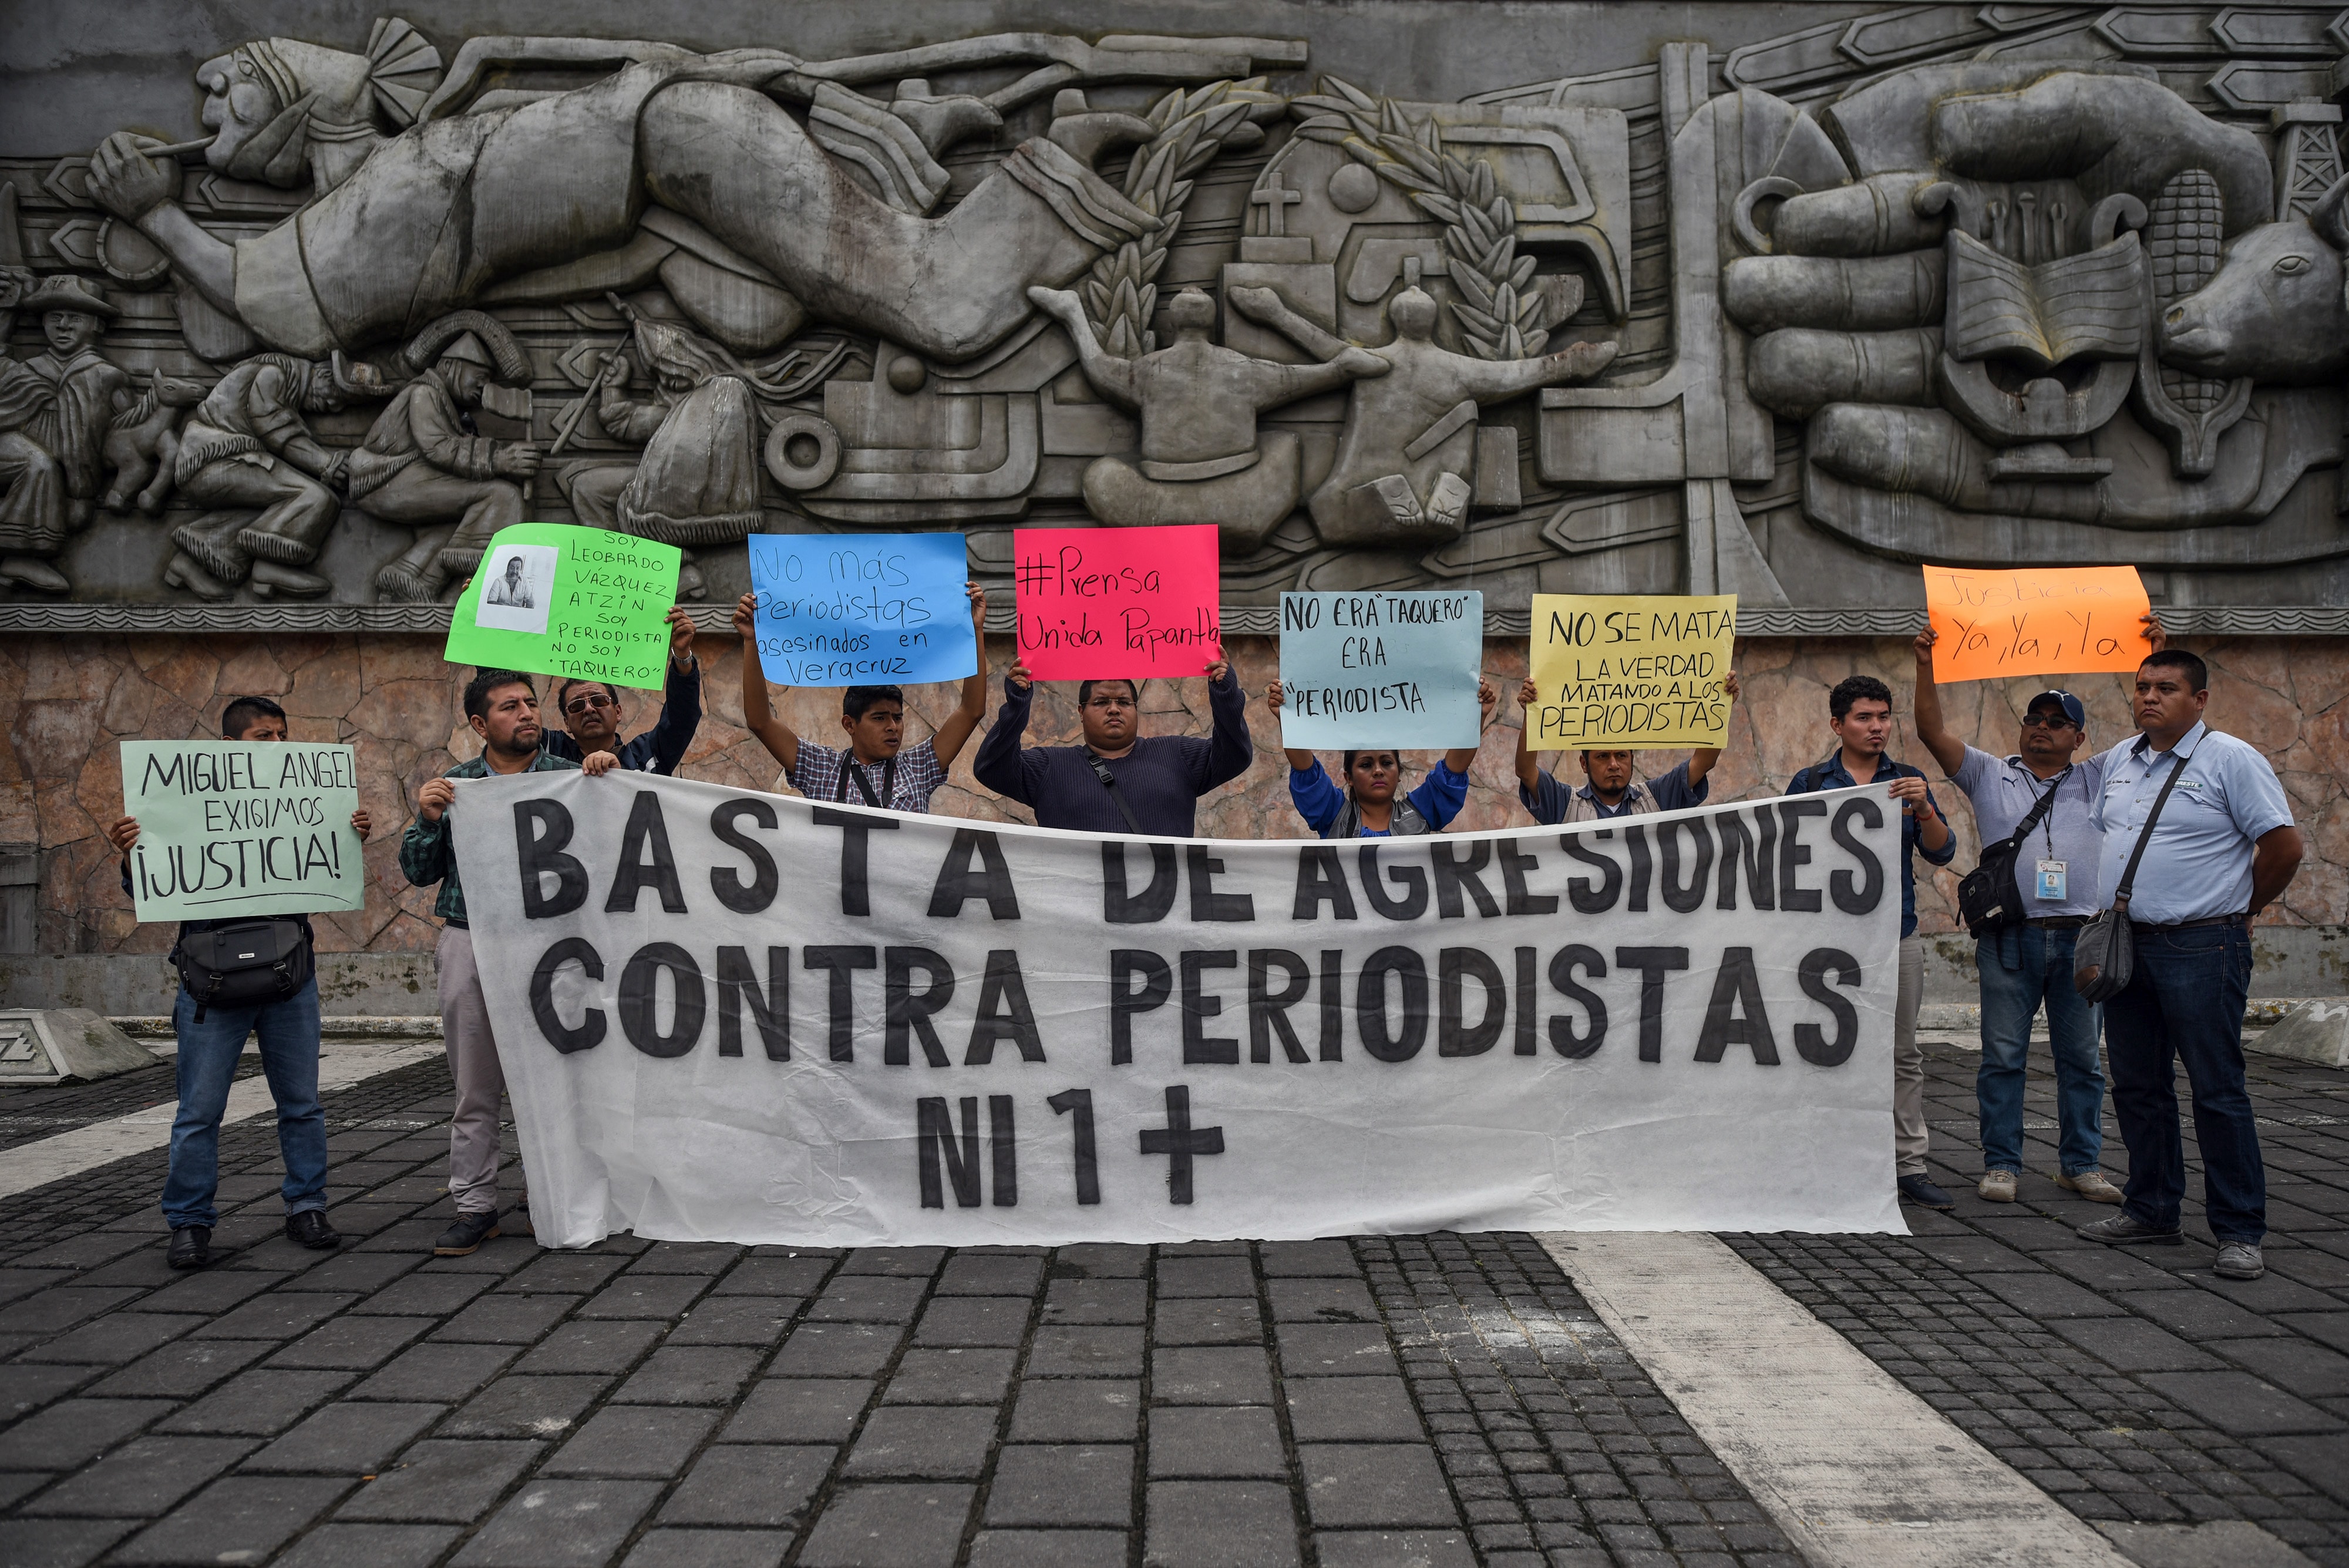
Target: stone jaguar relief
(1780, 313)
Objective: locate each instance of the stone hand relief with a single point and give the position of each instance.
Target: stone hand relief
(2012, 331)
(1780, 313)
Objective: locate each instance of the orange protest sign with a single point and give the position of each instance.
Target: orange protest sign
(2059, 620)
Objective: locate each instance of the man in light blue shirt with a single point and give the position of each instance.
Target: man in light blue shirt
(2222, 849)
(2026, 964)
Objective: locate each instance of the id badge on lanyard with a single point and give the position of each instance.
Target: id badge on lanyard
(2052, 880)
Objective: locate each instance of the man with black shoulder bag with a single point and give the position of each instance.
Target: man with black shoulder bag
(2199, 838)
(2024, 904)
(239, 976)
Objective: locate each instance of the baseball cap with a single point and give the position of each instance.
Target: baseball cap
(2065, 701)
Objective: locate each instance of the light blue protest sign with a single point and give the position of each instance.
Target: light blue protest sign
(1392, 670)
(862, 609)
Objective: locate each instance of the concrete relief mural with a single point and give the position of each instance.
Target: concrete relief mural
(1781, 313)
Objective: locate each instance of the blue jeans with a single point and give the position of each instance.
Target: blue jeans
(208, 1054)
(2021, 967)
(2185, 1001)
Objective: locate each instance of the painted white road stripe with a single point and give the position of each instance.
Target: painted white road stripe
(341, 1065)
(1857, 1471)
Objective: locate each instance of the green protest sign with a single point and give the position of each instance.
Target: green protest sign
(554, 599)
(241, 828)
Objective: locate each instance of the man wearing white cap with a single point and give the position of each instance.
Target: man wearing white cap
(424, 464)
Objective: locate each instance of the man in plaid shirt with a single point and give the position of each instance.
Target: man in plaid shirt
(877, 768)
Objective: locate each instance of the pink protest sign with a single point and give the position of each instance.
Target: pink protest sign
(1135, 602)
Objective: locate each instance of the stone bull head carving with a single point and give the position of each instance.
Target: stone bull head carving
(2275, 310)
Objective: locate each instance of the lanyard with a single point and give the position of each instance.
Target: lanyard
(2048, 823)
(849, 770)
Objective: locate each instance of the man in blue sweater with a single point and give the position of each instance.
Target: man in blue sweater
(1117, 781)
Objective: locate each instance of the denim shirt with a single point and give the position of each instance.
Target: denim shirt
(1832, 774)
(428, 854)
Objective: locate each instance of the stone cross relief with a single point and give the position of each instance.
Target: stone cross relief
(2007, 307)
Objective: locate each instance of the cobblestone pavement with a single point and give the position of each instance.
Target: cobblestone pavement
(2132, 1383)
(1438, 1400)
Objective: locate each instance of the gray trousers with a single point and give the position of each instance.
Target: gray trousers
(480, 1082)
(1909, 1135)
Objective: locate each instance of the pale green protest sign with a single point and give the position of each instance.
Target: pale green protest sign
(241, 828)
(556, 599)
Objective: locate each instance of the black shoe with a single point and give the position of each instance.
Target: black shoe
(309, 1229)
(192, 1247)
(2125, 1230)
(466, 1236)
(1917, 1190)
(516, 1221)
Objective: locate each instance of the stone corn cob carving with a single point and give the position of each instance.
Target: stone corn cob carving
(2183, 247)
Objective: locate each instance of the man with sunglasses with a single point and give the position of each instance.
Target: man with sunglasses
(1117, 781)
(591, 712)
(2026, 965)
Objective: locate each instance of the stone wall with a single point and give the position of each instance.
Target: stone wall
(65, 699)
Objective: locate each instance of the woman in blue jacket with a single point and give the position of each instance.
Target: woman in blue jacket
(1368, 807)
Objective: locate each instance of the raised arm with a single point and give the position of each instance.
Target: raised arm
(782, 741)
(680, 714)
(1113, 377)
(1459, 757)
(1487, 379)
(1529, 760)
(1232, 749)
(952, 735)
(1931, 729)
(1001, 764)
(1700, 760)
(1299, 761)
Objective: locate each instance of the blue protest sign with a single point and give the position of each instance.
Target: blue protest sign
(1380, 669)
(859, 609)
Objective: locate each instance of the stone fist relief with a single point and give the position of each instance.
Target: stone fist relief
(2031, 303)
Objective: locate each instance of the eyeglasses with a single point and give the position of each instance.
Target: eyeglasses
(2046, 721)
(579, 705)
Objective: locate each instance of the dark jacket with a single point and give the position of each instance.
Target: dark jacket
(1162, 778)
(1830, 773)
(659, 749)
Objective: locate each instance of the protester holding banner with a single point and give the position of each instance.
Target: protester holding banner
(1367, 806)
(874, 717)
(2197, 825)
(1860, 711)
(591, 712)
(2024, 960)
(502, 706)
(211, 1038)
(1609, 789)
(1117, 781)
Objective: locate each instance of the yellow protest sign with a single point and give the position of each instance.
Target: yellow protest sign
(2058, 620)
(1630, 671)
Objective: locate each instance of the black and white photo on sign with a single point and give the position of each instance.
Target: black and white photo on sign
(517, 587)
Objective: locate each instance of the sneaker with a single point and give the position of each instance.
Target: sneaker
(192, 1247)
(2091, 1186)
(2127, 1230)
(2239, 1261)
(1996, 1187)
(1917, 1190)
(466, 1236)
(309, 1229)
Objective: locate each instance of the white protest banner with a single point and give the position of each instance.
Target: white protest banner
(241, 828)
(732, 1016)
(1394, 669)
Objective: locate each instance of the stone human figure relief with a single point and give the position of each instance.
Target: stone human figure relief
(57, 409)
(249, 451)
(425, 464)
(548, 199)
(1201, 457)
(1405, 464)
